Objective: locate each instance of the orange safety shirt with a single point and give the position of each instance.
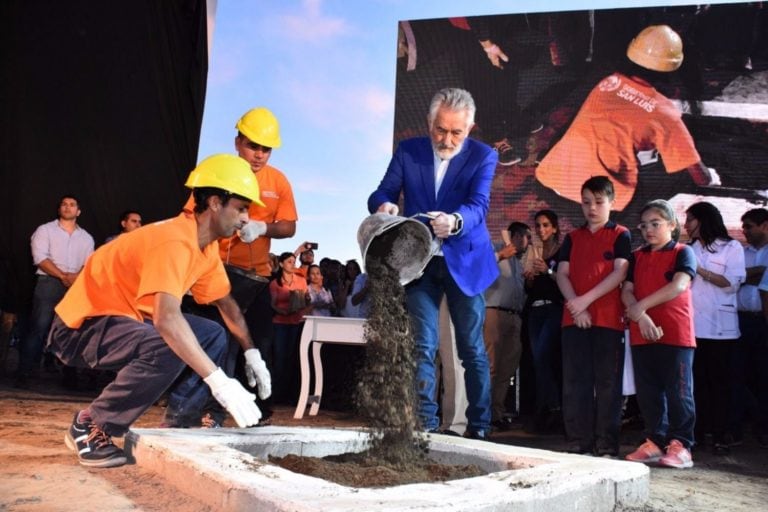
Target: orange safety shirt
(277, 196)
(122, 277)
(620, 117)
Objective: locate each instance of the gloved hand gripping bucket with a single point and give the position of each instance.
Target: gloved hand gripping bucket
(401, 243)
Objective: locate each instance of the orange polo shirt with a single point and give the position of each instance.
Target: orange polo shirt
(122, 277)
(620, 117)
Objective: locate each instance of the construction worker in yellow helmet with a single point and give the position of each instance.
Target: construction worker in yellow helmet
(624, 130)
(125, 306)
(246, 256)
(228, 173)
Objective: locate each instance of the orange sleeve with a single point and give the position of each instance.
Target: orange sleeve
(674, 142)
(286, 208)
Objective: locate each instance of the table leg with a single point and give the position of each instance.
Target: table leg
(306, 340)
(318, 390)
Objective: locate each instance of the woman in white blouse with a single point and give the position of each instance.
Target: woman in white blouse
(719, 274)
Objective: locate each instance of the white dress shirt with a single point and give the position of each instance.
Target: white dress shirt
(749, 295)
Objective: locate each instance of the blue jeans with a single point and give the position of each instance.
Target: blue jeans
(189, 396)
(664, 383)
(145, 365)
(544, 334)
(468, 314)
(593, 368)
(48, 292)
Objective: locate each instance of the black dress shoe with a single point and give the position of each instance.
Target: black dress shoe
(444, 432)
(578, 449)
(482, 435)
(503, 425)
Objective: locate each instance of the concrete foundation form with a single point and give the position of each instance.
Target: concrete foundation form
(227, 469)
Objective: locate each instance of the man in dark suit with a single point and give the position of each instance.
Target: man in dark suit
(448, 176)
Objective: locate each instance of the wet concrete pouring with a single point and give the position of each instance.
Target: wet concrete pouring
(385, 394)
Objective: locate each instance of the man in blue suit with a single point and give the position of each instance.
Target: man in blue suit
(448, 176)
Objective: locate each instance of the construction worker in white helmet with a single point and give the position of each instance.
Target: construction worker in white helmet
(626, 125)
(123, 313)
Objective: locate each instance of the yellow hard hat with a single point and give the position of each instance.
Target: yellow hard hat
(260, 126)
(227, 172)
(658, 48)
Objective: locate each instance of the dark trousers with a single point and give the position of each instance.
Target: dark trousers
(664, 381)
(48, 292)
(712, 387)
(593, 368)
(749, 375)
(544, 334)
(285, 357)
(256, 305)
(258, 317)
(145, 365)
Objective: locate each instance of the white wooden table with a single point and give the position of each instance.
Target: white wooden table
(317, 331)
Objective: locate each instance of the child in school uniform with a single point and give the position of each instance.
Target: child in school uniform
(657, 295)
(592, 264)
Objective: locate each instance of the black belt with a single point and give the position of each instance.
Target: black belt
(250, 274)
(506, 310)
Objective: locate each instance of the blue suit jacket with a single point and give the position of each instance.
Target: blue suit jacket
(466, 190)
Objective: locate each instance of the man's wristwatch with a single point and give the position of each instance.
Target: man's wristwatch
(459, 225)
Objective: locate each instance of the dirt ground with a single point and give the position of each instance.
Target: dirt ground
(38, 473)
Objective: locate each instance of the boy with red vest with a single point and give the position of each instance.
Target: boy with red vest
(593, 263)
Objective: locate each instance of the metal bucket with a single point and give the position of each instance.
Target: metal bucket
(401, 243)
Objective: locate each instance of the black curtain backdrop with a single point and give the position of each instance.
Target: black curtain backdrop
(102, 100)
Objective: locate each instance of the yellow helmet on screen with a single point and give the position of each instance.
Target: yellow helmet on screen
(658, 48)
(227, 172)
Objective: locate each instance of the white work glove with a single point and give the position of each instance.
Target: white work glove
(442, 223)
(390, 208)
(714, 178)
(234, 398)
(251, 231)
(257, 373)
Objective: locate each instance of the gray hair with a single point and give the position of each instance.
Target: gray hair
(453, 99)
